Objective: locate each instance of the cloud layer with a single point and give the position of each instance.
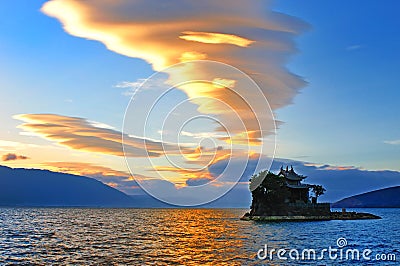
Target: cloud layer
(393, 142)
(85, 169)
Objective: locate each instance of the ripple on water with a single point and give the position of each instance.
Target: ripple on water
(173, 236)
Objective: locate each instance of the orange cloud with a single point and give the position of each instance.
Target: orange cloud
(84, 169)
(206, 156)
(192, 173)
(185, 175)
(13, 157)
(338, 168)
(112, 184)
(200, 173)
(81, 134)
(215, 38)
(244, 34)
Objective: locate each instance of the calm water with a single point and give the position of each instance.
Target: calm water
(179, 237)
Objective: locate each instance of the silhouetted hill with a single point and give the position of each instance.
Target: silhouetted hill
(383, 198)
(43, 188)
(33, 187)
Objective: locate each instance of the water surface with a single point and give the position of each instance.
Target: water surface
(52, 236)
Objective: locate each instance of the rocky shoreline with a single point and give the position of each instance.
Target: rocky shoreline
(332, 216)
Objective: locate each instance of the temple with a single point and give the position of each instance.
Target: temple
(283, 197)
(298, 192)
(285, 194)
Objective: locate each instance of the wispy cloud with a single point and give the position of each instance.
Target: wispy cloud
(130, 86)
(133, 87)
(393, 142)
(13, 157)
(201, 135)
(337, 167)
(353, 47)
(14, 145)
(81, 134)
(185, 174)
(84, 169)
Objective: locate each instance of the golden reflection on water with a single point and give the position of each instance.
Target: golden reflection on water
(197, 236)
(124, 236)
(145, 237)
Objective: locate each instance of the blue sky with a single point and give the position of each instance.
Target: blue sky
(347, 114)
(350, 107)
(67, 75)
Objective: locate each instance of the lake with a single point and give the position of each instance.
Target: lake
(57, 236)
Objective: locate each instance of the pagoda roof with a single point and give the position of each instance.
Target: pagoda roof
(291, 174)
(294, 177)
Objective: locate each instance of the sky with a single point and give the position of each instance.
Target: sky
(348, 114)
(328, 69)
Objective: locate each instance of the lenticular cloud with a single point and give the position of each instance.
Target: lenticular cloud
(245, 34)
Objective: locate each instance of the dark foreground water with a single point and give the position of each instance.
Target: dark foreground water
(188, 237)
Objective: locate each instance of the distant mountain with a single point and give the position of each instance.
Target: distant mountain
(383, 198)
(33, 187)
(42, 188)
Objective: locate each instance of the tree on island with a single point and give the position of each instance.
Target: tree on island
(318, 190)
(269, 197)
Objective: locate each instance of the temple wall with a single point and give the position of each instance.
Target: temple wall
(308, 209)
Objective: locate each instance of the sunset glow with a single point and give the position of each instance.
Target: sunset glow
(233, 91)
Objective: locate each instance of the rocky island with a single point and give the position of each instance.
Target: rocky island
(284, 197)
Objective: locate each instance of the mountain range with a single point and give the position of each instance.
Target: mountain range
(43, 188)
(33, 187)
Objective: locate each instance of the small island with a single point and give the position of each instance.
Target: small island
(284, 197)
